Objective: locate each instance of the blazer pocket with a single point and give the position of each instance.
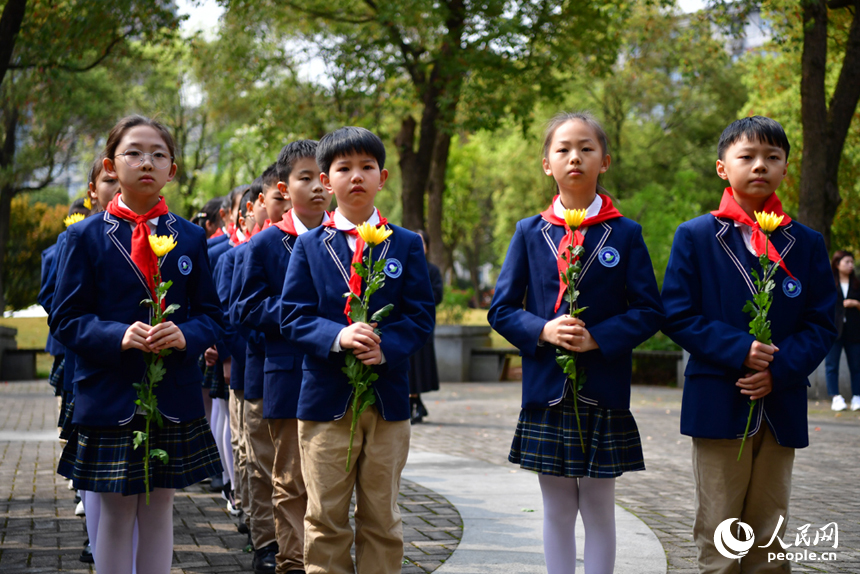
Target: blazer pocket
(279, 363)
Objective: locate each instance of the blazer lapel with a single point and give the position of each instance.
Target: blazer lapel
(119, 233)
(733, 244)
(594, 241)
(335, 244)
(167, 226)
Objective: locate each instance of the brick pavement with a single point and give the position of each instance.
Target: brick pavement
(39, 532)
(478, 420)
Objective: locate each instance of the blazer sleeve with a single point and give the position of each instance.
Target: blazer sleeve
(258, 303)
(73, 319)
(407, 329)
(706, 339)
(801, 352)
(507, 315)
(301, 321)
(617, 335)
(436, 283)
(205, 324)
(49, 279)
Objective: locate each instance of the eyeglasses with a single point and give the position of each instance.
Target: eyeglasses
(135, 158)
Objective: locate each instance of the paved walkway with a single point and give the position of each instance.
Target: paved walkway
(39, 533)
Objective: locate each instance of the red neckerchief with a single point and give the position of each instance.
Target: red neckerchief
(575, 238)
(255, 231)
(231, 227)
(287, 225)
(218, 233)
(266, 224)
(354, 278)
(141, 252)
(234, 237)
(729, 208)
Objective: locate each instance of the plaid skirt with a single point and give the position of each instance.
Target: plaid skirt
(67, 411)
(213, 379)
(103, 459)
(547, 441)
(57, 372)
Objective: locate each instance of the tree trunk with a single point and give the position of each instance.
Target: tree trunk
(824, 130)
(7, 192)
(10, 25)
(412, 196)
(436, 192)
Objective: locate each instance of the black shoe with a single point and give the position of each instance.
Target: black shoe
(243, 528)
(217, 484)
(264, 559)
(87, 554)
(415, 416)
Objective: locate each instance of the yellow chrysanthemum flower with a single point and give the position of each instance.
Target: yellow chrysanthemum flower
(161, 244)
(574, 217)
(88, 203)
(768, 221)
(373, 235)
(74, 218)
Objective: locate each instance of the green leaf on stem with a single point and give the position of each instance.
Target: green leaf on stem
(382, 313)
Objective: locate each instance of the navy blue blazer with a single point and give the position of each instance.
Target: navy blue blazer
(706, 286)
(259, 307)
(217, 246)
(312, 317)
(618, 286)
(233, 344)
(255, 354)
(50, 264)
(98, 296)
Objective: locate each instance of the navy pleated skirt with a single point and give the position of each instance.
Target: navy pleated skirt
(547, 441)
(103, 459)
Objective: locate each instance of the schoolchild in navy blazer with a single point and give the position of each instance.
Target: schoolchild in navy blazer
(46, 290)
(255, 354)
(259, 307)
(707, 282)
(623, 307)
(94, 305)
(313, 318)
(234, 344)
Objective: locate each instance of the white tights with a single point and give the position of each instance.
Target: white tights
(221, 432)
(563, 498)
(114, 550)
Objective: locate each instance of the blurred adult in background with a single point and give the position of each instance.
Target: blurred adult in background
(423, 374)
(848, 327)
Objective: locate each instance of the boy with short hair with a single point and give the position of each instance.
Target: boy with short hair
(271, 199)
(707, 282)
(352, 163)
(259, 306)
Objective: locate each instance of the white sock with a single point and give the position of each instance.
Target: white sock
(227, 456)
(560, 506)
(155, 548)
(113, 550)
(597, 505)
(92, 505)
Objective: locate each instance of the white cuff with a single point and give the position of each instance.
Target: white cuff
(335, 347)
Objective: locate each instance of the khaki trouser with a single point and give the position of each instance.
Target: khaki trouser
(289, 499)
(754, 490)
(261, 456)
(240, 451)
(378, 457)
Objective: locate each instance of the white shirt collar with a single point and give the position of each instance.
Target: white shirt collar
(300, 227)
(343, 224)
(153, 223)
(593, 209)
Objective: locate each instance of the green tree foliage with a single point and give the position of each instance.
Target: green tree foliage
(35, 227)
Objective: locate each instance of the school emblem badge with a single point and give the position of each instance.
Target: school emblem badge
(393, 268)
(609, 257)
(791, 287)
(185, 265)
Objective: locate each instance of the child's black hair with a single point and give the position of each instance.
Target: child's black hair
(755, 128)
(210, 212)
(250, 196)
(346, 141)
(291, 153)
(270, 176)
(230, 199)
(79, 206)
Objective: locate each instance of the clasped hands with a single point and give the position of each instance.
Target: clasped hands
(150, 339)
(759, 383)
(364, 343)
(568, 333)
